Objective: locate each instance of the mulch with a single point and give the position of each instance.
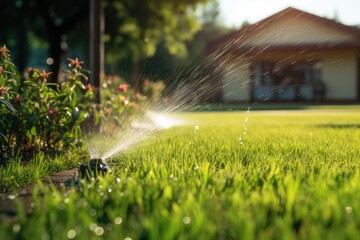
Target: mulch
(58, 180)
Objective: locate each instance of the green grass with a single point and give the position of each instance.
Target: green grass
(17, 174)
(272, 106)
(257, 175)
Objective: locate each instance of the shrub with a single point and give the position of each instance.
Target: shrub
(120, 102)
(38, 116)
(153, 90)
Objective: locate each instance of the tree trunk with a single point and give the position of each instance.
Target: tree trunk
(97, 28)
(55, 33)
(57, 54)
(22, 50)
(135, 81)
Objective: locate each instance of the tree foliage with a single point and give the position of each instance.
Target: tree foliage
(173, 68)
(135, 27)
(49, 20)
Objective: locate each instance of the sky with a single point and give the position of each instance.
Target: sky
(235, 12)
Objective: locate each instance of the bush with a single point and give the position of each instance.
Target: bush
(120, 102)
(153, 90)
(38, 116)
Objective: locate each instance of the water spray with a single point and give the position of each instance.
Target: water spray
(93, 168)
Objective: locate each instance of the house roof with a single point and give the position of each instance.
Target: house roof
(233, 41)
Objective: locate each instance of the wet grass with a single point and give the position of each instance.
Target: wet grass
(16, 174)
(272, 106)
(236, 175)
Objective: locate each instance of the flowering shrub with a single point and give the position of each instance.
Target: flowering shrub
(119, 101)
(153, 90)
(37, 116)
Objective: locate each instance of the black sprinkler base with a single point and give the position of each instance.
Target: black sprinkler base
(93, 168)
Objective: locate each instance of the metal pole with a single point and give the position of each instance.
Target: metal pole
(96, 46)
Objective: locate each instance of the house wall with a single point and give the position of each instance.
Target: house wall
(299, 30)
(339, 73)
(236, 81)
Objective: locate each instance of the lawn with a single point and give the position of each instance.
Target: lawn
(225, 175)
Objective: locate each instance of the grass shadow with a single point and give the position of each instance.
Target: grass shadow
(340, 126)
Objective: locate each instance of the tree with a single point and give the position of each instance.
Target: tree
(174, 69)
(59, 18)
(50, 20)
(135, 28)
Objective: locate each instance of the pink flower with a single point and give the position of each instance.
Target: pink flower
(108, 111)
(4, 52)
(123, 87)
(89, 87)
(3, 91)
(146, 82)
(138, 96)
(53, 111)
(44, 75)
(75, 63)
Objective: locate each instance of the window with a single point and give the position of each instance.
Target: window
(286, 80)
(287, 73)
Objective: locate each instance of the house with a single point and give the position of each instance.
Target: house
(291, 56)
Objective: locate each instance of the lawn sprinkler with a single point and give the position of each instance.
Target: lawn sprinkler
(93, 168)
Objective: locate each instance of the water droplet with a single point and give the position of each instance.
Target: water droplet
(186, 220)
(92, 212)
(16, 228)
(49, 61)
(71, 234)
(109, 226)
(93, 226)
(348, 210)
(118, 220)
(11, 197)
(99, 231)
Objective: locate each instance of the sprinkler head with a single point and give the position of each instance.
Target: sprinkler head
(93, 168)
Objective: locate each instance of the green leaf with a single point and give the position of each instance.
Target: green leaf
(2, 135)
(9, 106)
(74, 100)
